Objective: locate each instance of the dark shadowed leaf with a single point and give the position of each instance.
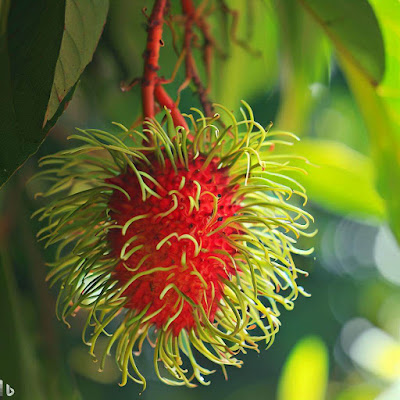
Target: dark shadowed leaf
(16, 347)
(30, 41)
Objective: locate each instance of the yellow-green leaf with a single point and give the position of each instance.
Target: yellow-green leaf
(305, 373)
(363, 51)
(385, 143)
(338, 178)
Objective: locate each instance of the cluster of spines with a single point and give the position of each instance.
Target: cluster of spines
(268, 225)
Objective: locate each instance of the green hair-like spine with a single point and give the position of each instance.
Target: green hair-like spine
(78, 222)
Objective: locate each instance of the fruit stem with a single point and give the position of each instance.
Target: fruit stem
(151, 89)
(151, 56)
(164, 100)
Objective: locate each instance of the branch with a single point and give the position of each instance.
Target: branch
(151, 83)
(194, 17)
(165, 101)
(151, 57)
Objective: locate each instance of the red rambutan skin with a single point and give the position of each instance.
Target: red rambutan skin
(151, 230)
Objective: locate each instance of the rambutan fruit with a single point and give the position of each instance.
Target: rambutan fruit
(188, 241)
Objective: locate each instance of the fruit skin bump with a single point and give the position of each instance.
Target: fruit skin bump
(187, 241)
(175, 231)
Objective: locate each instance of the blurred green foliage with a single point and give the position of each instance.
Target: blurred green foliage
(305, 373)
(363, 51)
(327, 71)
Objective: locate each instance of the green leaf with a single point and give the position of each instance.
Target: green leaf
(340, 179)
(380, 107)
(250, 66)
(364, 391)
(353, 28)
(305, 373)
(127, 42)
(363, 53)
(385, 142)
(388, 13)
(30, 41)
(305, 57)
(18, 366)
(84, 23)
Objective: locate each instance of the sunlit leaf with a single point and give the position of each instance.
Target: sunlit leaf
(359, 392)
(383, 359)
(339, 179)
(384, 140)
(305, 373)
(388, 13)
(362, 54)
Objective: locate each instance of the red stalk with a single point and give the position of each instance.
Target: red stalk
(165, 101)
(188, 8)
(194, 18)
(151, 88)
(151, 56)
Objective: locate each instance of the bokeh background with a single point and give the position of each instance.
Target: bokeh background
(343, 342)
